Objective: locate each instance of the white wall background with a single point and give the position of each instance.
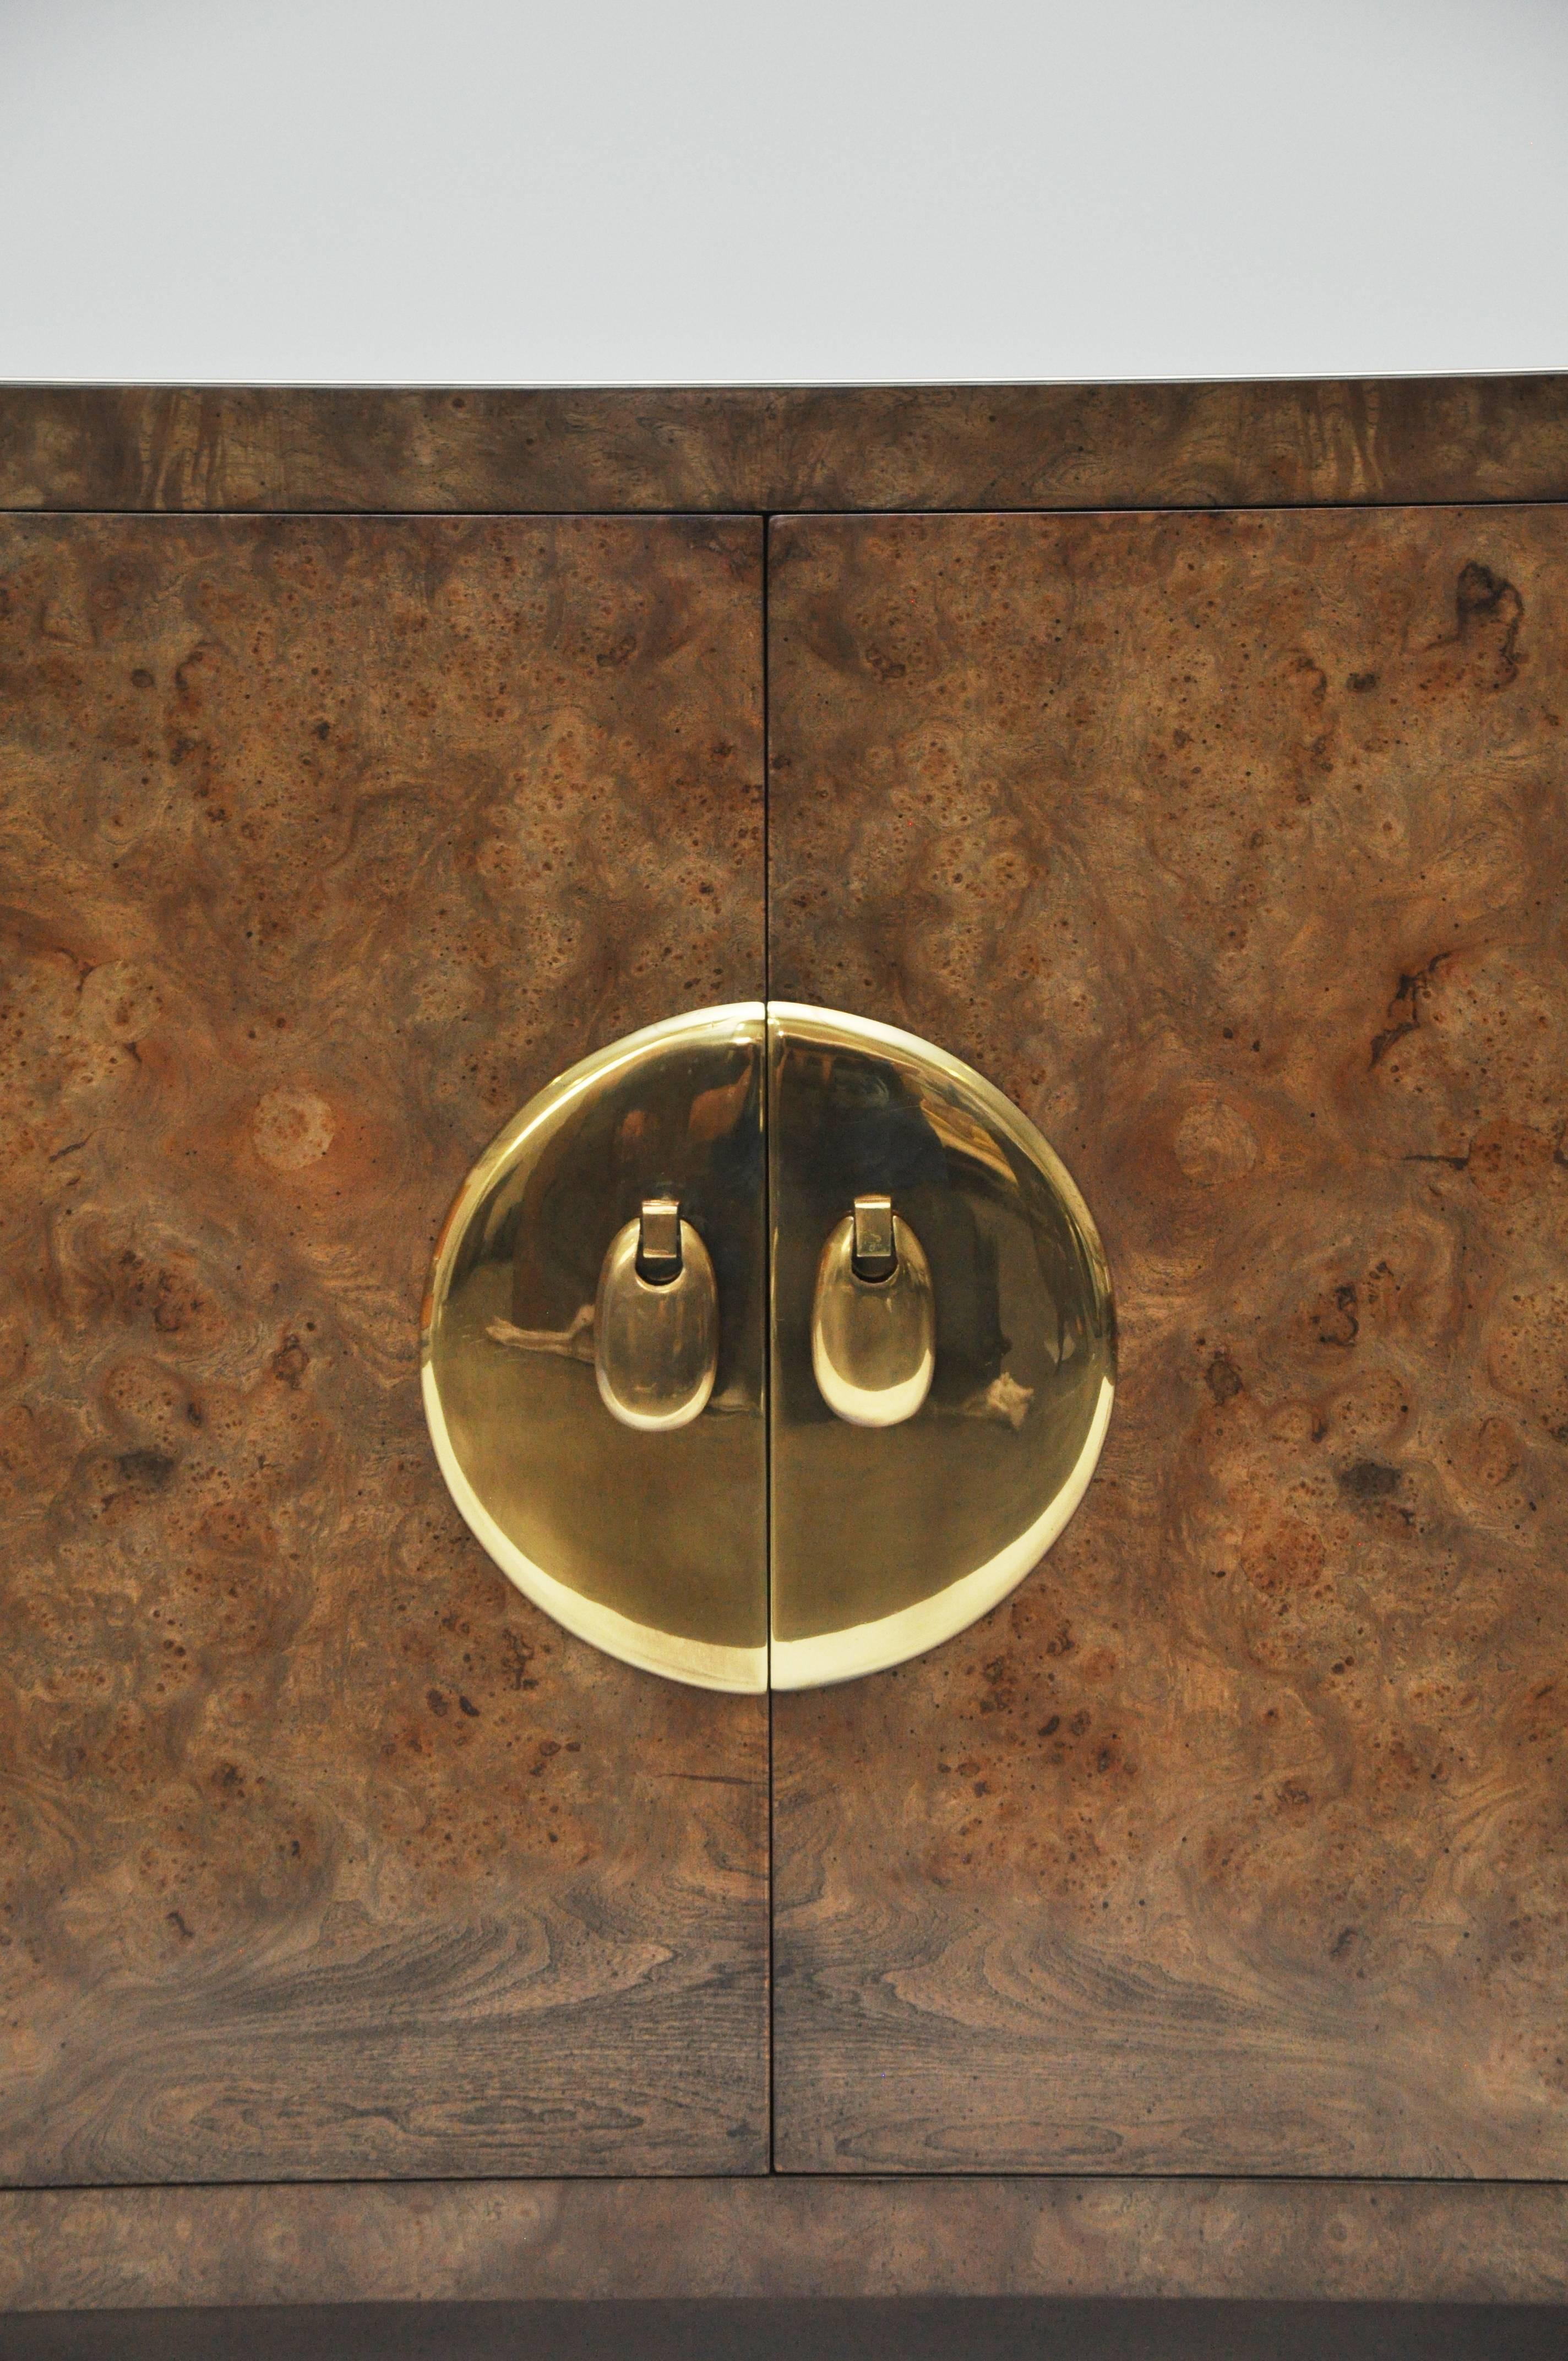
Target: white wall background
(687, 190)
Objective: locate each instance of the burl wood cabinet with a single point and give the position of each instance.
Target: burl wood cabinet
(1190, 763)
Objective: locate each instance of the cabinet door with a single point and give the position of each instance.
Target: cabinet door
(327, 844)
(1232, 847)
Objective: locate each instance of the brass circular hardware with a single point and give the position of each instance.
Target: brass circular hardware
(735, 1447)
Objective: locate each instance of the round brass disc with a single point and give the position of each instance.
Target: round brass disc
(651, 1542)
(933, 1424)
(887, 1540)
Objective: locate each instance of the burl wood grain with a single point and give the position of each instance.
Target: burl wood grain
(1233, 849)
(784, 2236)
(325, 844)
(1026, 446)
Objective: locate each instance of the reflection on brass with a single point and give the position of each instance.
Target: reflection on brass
(656, 1323)
(887, 1540)
(647, 1534)
(872, 1326)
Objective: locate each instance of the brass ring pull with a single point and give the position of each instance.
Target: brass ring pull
(873, 1318)
(656, 1322)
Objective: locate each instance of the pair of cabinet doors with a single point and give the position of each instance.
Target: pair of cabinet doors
(1232, 847)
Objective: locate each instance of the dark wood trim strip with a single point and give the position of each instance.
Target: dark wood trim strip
(824, 448)
(509, 2241)
(934, 2328)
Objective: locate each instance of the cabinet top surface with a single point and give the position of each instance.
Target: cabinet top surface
(1320, 442)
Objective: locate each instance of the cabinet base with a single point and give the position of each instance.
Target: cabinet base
(516, 2241)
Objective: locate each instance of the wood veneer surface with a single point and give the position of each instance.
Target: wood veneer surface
(1232, 847)
(325, 844)
(803, 448)
(780, 2238)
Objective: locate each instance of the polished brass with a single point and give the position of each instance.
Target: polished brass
(656, 1323)
(938, 1352)
(875, 1255)
(873, 1323)
(643, 1532)
(886, 1542)
(659, 1239)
